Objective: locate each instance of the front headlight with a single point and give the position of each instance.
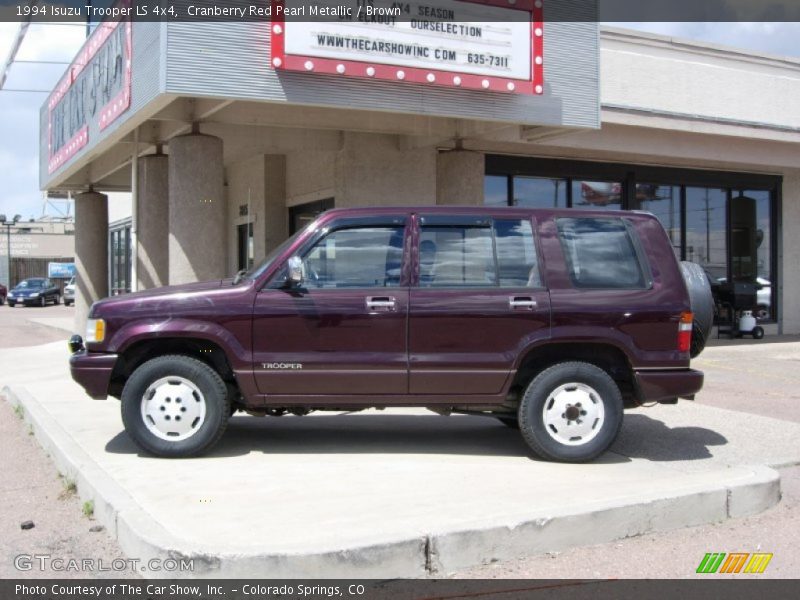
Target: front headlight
(35, 295)
(95, 331)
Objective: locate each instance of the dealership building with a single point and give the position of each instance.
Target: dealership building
(231, 135)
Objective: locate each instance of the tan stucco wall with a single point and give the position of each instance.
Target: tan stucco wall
(790, 242)
(310, 176)
(378, 170)
(459, 177)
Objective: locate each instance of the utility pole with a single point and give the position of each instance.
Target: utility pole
(8, 225)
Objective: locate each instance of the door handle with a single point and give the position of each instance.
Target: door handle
(526, 302)
(381, 303)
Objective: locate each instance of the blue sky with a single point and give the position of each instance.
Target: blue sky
(19, 112)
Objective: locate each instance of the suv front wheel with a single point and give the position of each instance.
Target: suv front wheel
(571, 412)
(175, 406)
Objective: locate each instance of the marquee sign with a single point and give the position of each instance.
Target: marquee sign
(97, 86)
(494, 45)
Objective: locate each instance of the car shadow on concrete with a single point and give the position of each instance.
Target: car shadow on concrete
(359, 434)
(651, 439)
(641, 437)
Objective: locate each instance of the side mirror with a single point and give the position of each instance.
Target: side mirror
(295, 265)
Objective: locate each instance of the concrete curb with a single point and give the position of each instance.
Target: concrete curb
(751, 490)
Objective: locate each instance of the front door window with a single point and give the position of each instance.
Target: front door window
(364, 257)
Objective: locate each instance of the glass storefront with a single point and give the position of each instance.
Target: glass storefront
(706, 231)
(539, 192)
(664, 201)
(726, 222)
(119, 255)
(597, 195)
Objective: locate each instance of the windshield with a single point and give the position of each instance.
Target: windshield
(255, 272)
(31, 283)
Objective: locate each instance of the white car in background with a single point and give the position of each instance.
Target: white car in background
(763, 299)
(69, 292)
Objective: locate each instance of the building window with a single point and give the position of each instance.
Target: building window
(245, 251)
(664, 201)
(751, 245)
(303, 214)
(540, 192)
(706, 230)
(120, 256)
(597, 195)
(495, 190)
(724, 221)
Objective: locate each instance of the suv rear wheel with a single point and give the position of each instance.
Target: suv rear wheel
(175, 406)
(571, 412)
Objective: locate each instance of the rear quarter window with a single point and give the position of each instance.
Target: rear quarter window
(602, 253)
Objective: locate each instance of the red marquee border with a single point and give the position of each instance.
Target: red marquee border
(374, 70)
(108, 113)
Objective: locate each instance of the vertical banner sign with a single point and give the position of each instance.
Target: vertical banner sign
(492, 45)
(95, 88)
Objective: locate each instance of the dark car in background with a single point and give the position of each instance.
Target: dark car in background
(3, 294)
(35, 291)
(551, 321)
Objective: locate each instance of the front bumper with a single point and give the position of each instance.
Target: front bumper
(660, 386)
(92, 370)
(27, 300)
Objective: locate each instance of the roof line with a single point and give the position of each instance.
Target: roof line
(653, 112)
(783, 60)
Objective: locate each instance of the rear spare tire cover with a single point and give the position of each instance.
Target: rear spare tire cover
(702, 304)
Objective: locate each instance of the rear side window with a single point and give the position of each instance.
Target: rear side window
(456, 256)
(601, 253)
(499, 253)
(516, 254)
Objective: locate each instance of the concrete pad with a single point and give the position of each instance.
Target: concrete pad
(392, 493)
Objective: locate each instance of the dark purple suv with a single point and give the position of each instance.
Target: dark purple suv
(550, 320)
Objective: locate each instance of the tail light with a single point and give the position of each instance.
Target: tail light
(685, 332)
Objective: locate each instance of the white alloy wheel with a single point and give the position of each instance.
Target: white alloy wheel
(573, 414)
(173, 408)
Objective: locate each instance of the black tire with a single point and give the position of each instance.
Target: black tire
(510, 422)
(702, 303)
(57, 300)
(11, 304)
(605, 394)
(210, 385)
(758, 333)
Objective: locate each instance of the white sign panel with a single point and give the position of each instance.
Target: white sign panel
(447, 42)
